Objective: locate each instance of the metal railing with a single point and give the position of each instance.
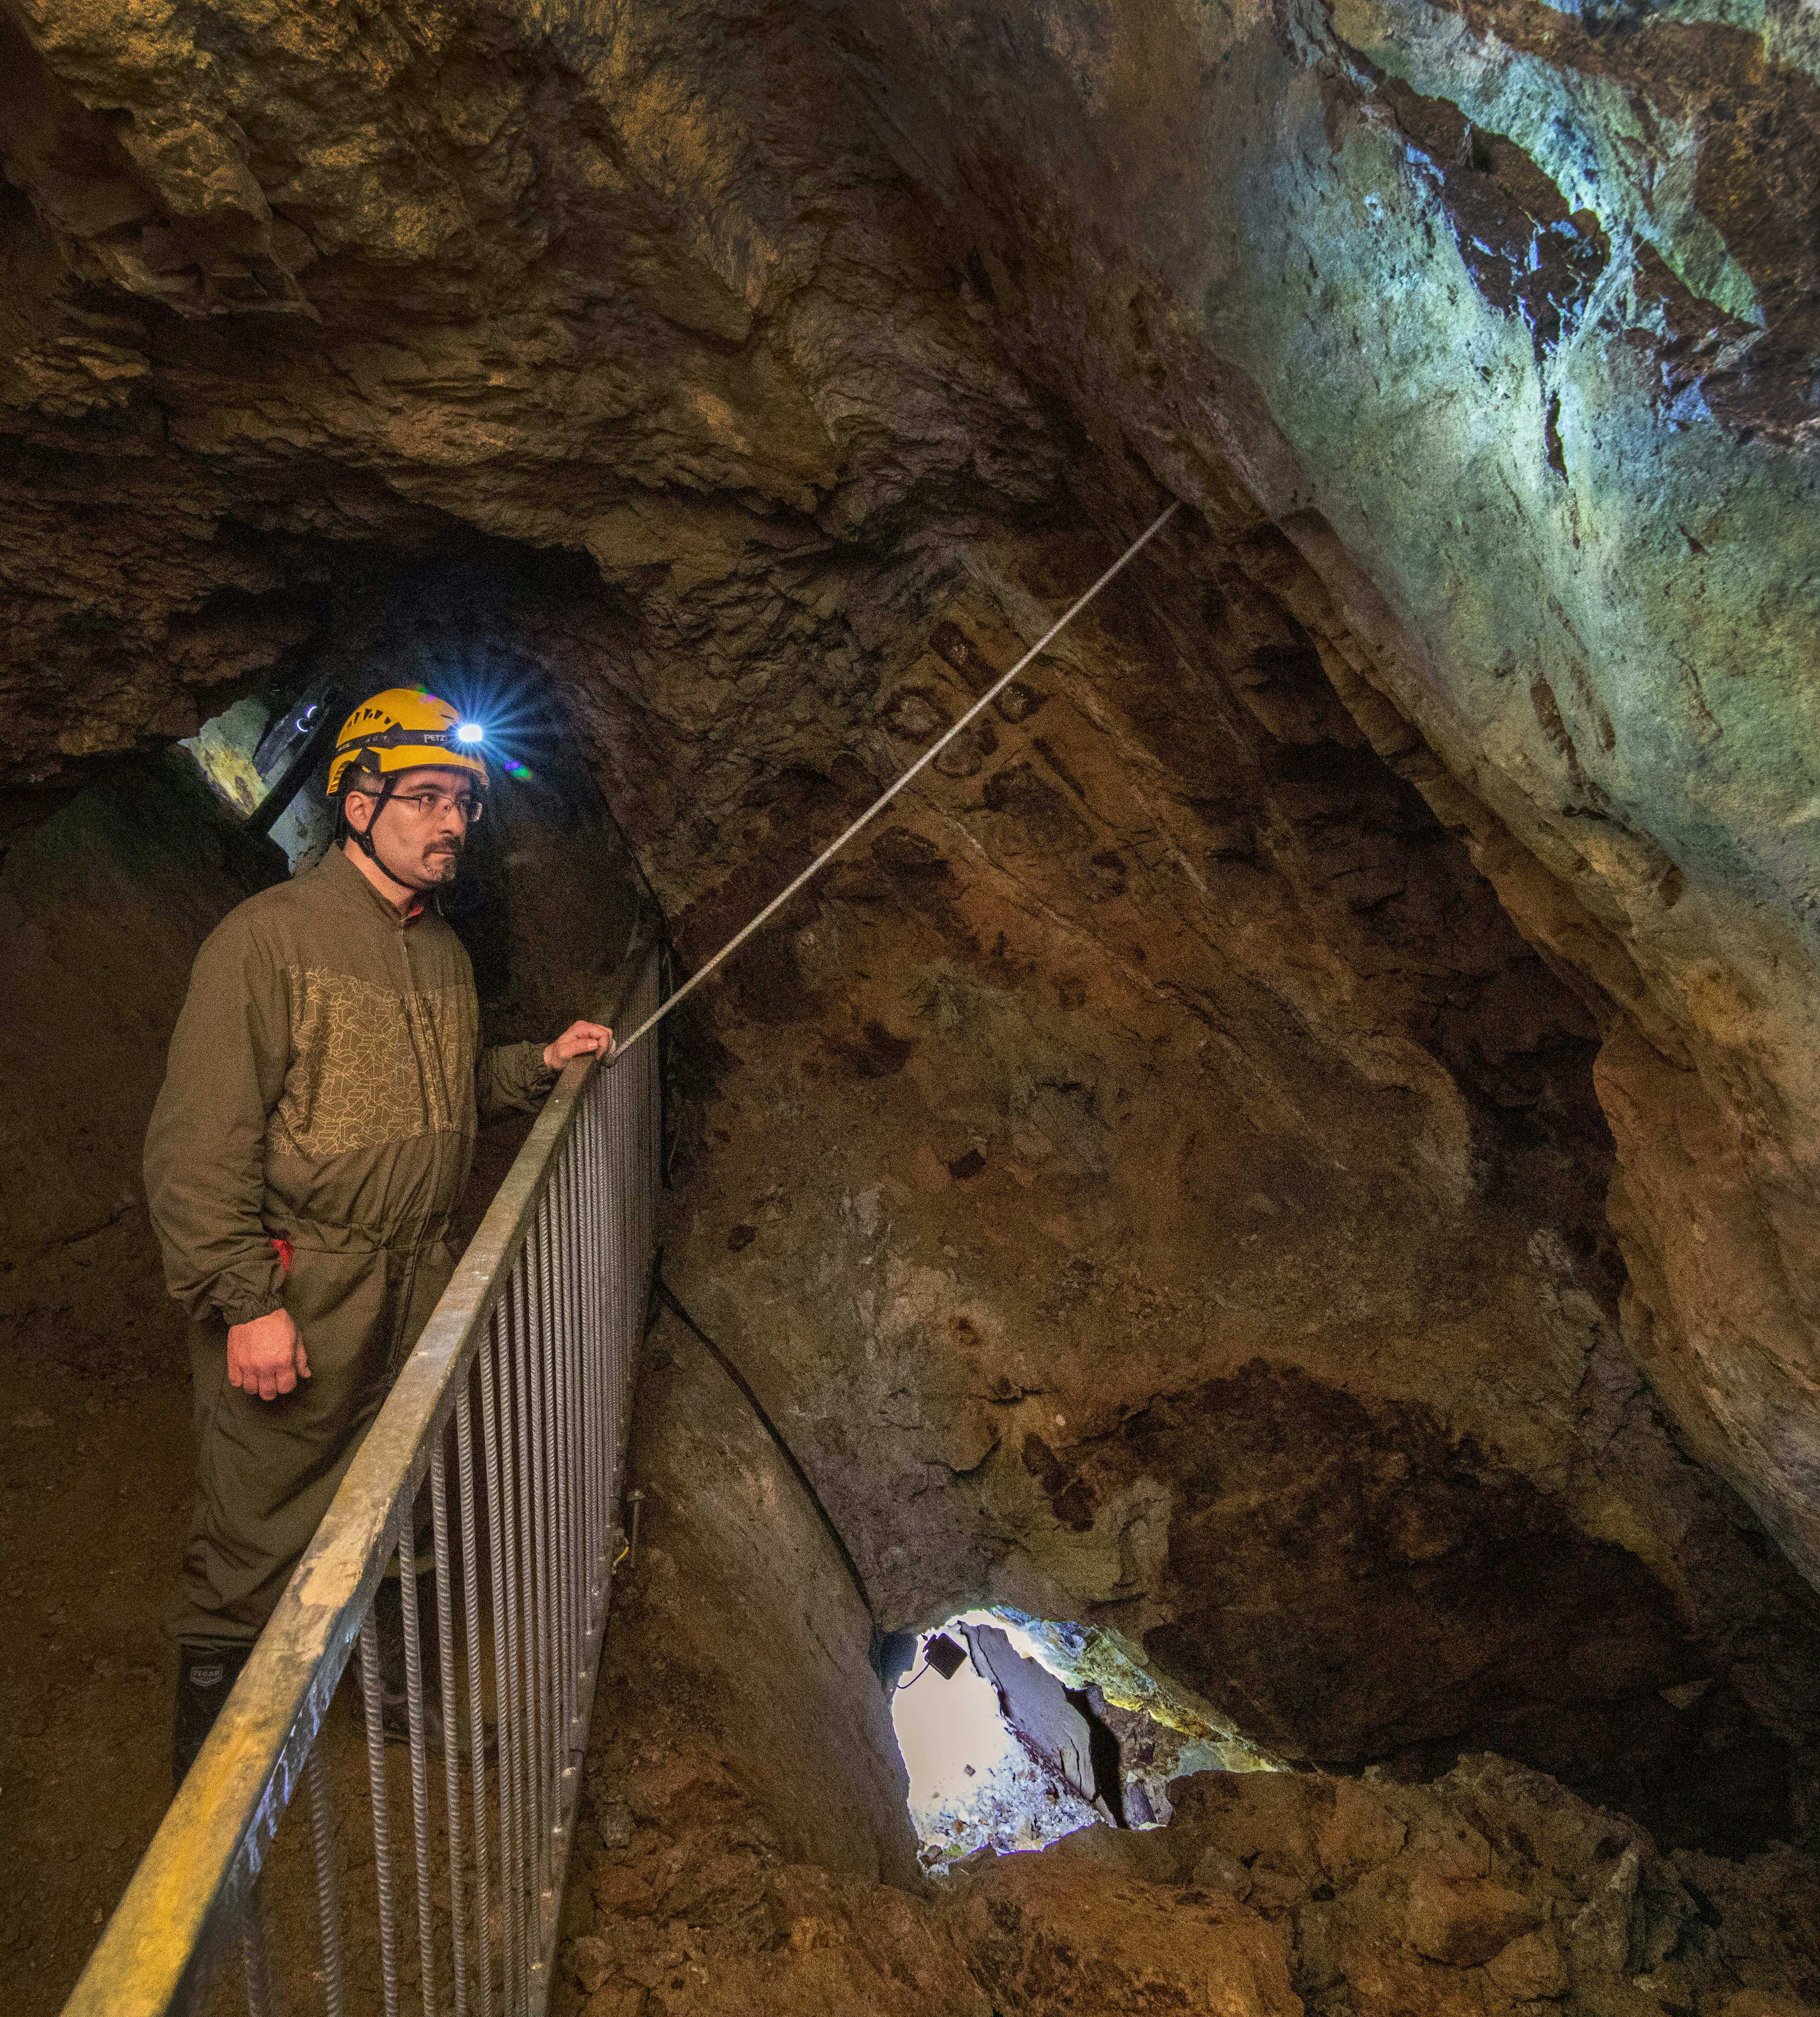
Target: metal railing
(521, 1386)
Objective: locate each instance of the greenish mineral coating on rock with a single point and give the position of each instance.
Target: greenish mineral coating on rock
(1093, 1656)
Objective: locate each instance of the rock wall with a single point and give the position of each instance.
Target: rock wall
(728, 1853)
(1156, 1053)
(1161, 1180)
(102, 910)
(1490, 1890)
(742, 1721)
(1506, 317)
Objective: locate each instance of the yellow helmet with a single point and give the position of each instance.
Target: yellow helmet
(401, 729)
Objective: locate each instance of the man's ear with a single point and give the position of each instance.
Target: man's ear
(349, 800)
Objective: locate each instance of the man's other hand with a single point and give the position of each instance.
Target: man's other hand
(266, 1357)
(579, 1040)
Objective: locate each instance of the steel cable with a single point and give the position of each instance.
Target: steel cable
(891, 792)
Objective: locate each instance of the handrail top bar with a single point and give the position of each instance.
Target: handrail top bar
(209, 1841)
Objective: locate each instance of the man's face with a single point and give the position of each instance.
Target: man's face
(422, 827)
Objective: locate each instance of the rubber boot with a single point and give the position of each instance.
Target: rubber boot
(206, 1674)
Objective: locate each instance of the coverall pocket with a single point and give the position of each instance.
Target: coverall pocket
(339, 1303)
(267, 1470)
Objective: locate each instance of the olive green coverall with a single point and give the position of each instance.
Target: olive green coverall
(323, 1088)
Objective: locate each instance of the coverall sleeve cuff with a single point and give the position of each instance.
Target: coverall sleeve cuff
(251, 1309)
(512, 1076)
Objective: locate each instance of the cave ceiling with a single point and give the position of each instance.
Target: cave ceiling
(1355, 999)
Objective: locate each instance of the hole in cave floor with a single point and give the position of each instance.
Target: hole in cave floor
(1016, 1731)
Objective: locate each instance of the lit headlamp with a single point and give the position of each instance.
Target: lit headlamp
(400, 736)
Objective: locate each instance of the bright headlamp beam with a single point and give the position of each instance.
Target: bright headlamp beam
(471, 732)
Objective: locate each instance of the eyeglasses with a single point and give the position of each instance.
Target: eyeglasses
(427, 804)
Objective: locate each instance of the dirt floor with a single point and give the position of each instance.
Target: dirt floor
(95, 1484)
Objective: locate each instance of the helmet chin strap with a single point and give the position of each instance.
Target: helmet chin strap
(364, 841)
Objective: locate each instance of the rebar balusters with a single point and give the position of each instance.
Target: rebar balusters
(420, 1756)
(476, 1705)
(603, 1508)
(618, 1226)
(537, 1362)
(556, 1207)
(550, 1443)
(322, 1852)
(593, 1527)
(607, 1132)
(562, 1433)
(450, 1726)
(562, 1364)
(575, 1346)
(497, 1435)
(598, 1312)
(530, 1724)
(260, 2002)
(611, 1303)
(640, 1156)
(581, 1350)
(530, 1694)
(382, 1853)
(523, 1360)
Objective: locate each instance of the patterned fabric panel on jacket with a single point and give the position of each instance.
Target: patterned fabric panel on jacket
(371, 1065)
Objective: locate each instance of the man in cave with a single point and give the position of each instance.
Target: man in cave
(313, 1135)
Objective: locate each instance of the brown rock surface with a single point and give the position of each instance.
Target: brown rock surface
(1465, 1922)
(1529, 1968)
(102, 910)
(728, 1864)
(1294, 1148)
